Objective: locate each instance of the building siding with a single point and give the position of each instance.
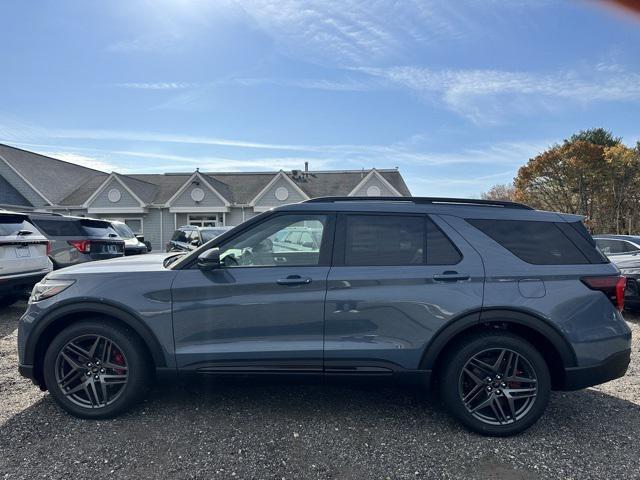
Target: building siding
(210, 199)
(268, 198)
(126, 199)
(373, 181)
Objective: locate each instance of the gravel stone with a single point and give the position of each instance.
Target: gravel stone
(258, 430)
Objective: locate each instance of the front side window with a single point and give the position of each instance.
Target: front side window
(377, 240)
(278, 241)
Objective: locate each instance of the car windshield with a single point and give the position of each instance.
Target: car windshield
(123, 230)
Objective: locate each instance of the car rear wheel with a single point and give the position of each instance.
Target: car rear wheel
(495, 383)
(96, 369)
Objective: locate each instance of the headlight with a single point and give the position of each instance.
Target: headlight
(630, 271)
(48, 288)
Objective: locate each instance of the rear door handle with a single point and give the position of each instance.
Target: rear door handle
(294, 280)
(451, 276)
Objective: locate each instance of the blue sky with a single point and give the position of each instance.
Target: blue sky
(456, 94)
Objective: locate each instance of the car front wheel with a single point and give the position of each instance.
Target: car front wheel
(495, 383)
(96, 369)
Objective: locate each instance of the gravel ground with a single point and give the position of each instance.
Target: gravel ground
(257, 430)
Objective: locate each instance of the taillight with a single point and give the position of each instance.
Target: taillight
(612, 286)
(48, 248)
(83, 246)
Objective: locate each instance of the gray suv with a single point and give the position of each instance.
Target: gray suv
(78, 239)
(494, 303)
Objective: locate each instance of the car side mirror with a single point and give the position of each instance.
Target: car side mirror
(209, 259)
(140, 238)
(148, 245)
(195, 242)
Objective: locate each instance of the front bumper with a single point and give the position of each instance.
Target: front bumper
(614, 366)
(20, 284)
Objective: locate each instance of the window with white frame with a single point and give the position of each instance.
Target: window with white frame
(205, 220)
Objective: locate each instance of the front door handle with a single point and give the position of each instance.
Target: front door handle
(294, 280)
(450, 276)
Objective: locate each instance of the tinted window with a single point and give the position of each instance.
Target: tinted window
(58, 228)
(539, 243)
(97, 228)
(179, 236)
(384, 240)
(209, 234)
(264, 245)
(123, 230)
(440, 250)
(12, 224)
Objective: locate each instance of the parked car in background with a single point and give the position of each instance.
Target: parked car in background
(619, 248)
(133, 244)
(78, 239)
(23, 257)
(189, 237)
(496, 302)
(624, 251)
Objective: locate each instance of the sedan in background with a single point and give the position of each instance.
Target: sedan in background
(133, 244)
(619, 248)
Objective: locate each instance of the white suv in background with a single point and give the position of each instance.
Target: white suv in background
(23, 257)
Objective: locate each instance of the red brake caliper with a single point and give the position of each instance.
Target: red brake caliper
(118, 359)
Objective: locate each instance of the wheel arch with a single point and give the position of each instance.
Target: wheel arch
(57, 320)
(547, 338)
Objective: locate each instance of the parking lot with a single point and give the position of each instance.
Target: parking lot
(261, 430)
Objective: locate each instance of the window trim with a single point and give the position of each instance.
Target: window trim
(326, 247)
(340, 243)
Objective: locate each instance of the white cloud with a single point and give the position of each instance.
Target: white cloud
(474, 93)
(84, 160)
(156, 85)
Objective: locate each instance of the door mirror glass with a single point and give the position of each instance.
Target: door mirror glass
(140, 238)
(209, 259)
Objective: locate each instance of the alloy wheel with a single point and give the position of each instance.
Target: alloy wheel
(91, 371)
(498, 386)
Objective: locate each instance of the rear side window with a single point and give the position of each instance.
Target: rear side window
(538, 243)
(97, 228)
(58, 228)
(440, 250)
(384, 240)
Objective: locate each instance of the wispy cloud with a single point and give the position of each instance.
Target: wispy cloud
(472, 93)
(156, 85)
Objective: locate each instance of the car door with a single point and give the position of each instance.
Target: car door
(263, 310)
(396, 279)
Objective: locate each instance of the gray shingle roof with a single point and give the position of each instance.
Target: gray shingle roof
(68, 184)
(53, 178)
(10, 196)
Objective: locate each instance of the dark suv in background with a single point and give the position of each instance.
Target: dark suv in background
(77, 240)
(494, 303)
(189, 237)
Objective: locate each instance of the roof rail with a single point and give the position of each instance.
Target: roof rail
(54, 214)
(425, 200)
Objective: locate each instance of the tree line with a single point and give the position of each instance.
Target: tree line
(592, 173)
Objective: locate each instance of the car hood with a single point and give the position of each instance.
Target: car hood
(132, 264)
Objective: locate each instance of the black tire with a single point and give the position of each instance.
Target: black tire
(513, 413)
(8, 301)
(136, 366)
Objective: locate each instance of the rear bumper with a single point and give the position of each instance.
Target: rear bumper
(614, 366)
(17, 284)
